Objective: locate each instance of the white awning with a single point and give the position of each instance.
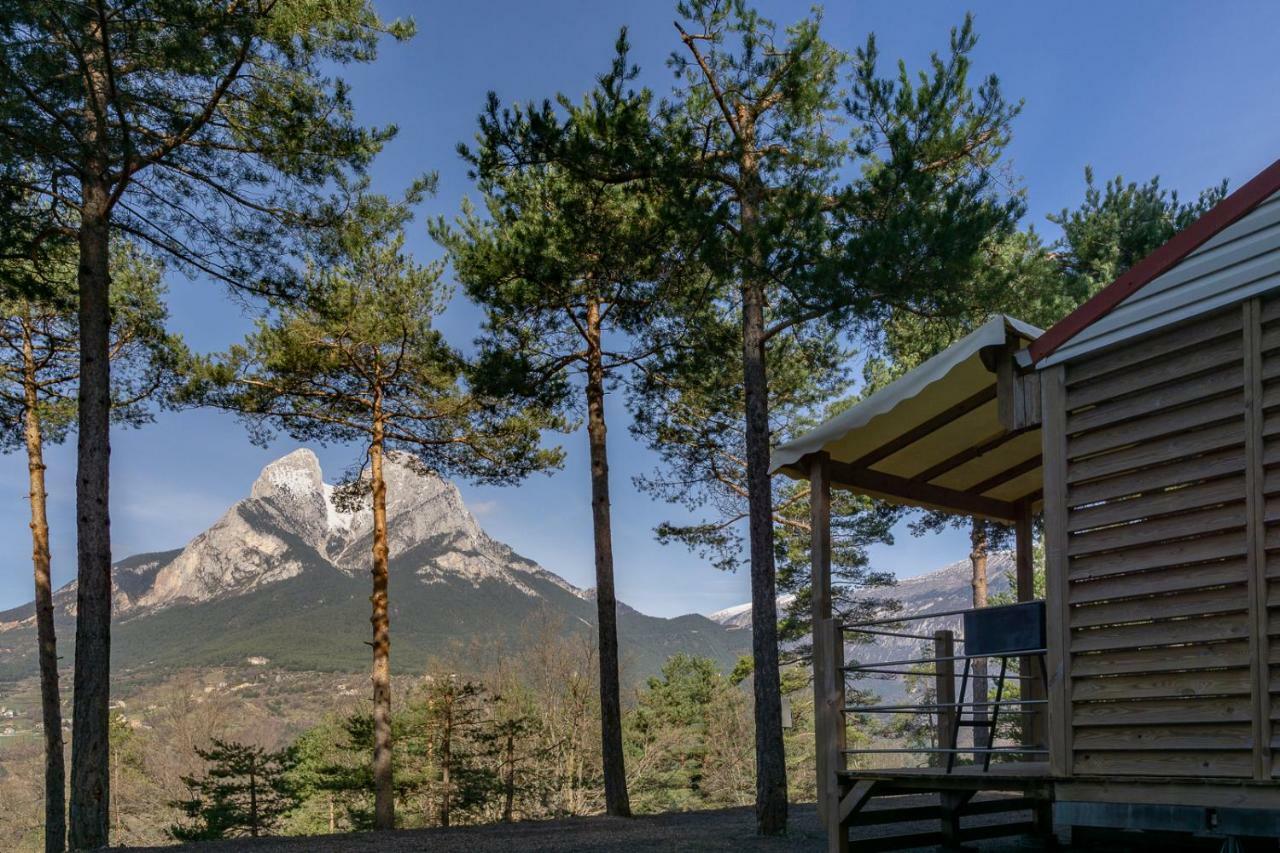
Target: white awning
(934, 435)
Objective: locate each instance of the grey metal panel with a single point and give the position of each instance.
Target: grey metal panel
(1203, 821)
(1262, 262)
(1248, 247)
(1154, 322)
(1266, 213)
(1196, 296)
(1240, 262)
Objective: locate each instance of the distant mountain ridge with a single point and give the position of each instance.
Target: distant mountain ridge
(945, 589)
(283, 575)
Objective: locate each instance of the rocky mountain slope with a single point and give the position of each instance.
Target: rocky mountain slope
(283, 575)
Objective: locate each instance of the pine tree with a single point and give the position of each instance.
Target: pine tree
(450, 719)
(687, 407)
(794, 248)
(39, 370)
(1116, 226)
(1110, 230)
(510, 742)
(504, 739)
(669, 732)
(245, 790)
(320, 777)
(357, 359)
(574, 259)
(333, 762)
(202, 130)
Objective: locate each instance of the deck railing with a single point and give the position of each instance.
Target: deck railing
(991, 634)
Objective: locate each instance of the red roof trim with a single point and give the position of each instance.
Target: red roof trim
(1186, 241)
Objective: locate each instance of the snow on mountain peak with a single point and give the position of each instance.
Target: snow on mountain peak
(336, 520)
(739, 616)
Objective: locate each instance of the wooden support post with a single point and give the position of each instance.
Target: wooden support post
(1058, 627)
(820, 581)
(823, 726)
(953, 803)
(820, 533)
(1042, 823)
(944, 649)
(1256, 511)
(829, 638)
(1023, 549)
(1018, 394)
(1031, 685)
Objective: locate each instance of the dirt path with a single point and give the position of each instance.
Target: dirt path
(723, 830)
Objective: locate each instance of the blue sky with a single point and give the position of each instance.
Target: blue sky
(1185, 90)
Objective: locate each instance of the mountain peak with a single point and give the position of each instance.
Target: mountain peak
(297, 473)
(290, 524)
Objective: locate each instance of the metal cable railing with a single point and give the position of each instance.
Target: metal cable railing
(1012, 631)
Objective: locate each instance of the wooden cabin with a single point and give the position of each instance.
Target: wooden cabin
(1145, 429)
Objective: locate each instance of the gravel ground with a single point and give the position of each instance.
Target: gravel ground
(722, 830)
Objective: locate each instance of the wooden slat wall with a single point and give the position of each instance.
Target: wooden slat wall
(1161, 580)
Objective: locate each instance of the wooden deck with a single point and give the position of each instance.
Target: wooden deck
(1005, 776)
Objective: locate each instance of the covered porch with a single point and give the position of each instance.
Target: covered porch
(959, 434)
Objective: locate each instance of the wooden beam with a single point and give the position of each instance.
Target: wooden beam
(933, 424)
(1255, 513)
(1005, 476)
(1054, 444)
(933, 472)
(1007, 386)
(953, 803)
(1221, 793)
(859, 795)
(951, 500)
(1018, 403)
(1030, 413)
(837, 701)
(820, 582)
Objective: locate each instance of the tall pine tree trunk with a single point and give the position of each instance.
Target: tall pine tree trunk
(55, 819)
(446, 763)
(616, 800)
(771, 770)
(978, 560)
(90, 809)
(90, 779)
(253, 801)
(771, 765)
(384, 809)
(509, 779)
